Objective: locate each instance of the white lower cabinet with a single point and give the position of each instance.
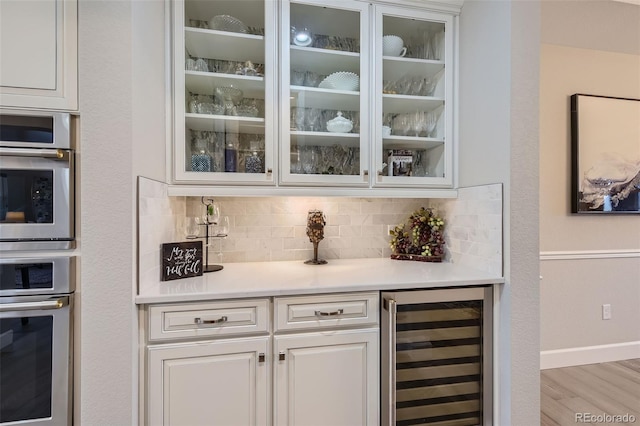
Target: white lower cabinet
(223, 382)
(327, 378)
(224, 363)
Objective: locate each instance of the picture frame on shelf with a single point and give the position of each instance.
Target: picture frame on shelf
(605, 154)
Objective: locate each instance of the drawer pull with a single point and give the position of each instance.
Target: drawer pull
(329, 314)
(260, 357)
(215, 321)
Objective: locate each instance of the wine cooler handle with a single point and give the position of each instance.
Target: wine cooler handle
(392, 359)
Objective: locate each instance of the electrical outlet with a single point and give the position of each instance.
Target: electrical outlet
(606, 311)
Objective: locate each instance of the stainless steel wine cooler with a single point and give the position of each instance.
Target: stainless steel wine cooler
(437, 357)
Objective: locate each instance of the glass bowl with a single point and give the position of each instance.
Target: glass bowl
(227, 23)
(229, 93)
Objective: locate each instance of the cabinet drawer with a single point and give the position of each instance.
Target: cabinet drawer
(335, 311)
(209, 319)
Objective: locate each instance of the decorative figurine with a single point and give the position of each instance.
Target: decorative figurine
(315, 231)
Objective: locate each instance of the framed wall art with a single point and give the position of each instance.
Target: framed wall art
(605, 151)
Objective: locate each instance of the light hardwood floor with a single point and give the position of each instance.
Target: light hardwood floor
(611, 388)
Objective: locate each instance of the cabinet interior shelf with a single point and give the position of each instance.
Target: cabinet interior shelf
(205, 82)
(410, 142)
(325, 138)
(406, 103)
(311, 97)
(224, 123)
(394, 68)
(203, 43)
(324, 61)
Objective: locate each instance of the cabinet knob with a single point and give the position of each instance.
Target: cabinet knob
(379, 172)
(269, 171)
(281, 356)
(260, 357)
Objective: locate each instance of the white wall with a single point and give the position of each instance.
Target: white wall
(105, 342)
(604, 276)
(499, 51)
(122, 118)
(586, 261)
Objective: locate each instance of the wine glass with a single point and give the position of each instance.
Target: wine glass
(222, 227)
(190, 227)
(431, 123)
(213, 214)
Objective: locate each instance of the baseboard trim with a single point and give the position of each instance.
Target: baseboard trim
(589, 355)
(588, 254)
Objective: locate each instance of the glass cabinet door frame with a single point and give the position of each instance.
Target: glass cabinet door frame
(180, 174)
(286, 178)
(446, 138)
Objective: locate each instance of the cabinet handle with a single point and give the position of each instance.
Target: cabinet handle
(281, 356)
(269, 171)
(260, 357)
(329, 314)
(215, 321)
(365, 173)
(393, 311)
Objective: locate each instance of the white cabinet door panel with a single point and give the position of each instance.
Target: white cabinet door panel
(327, 379)
(213, 383)
(38, 41)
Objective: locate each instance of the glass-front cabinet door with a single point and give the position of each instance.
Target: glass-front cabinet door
(325, 102)
(224, 91)
(413, 127)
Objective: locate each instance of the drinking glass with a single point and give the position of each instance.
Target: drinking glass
(297, 77)
(201, 65)
(213, 214)
(309, 159)
(299, 118)
(190, 227)
(312, 119)
(312, 79)
(222, 228)
(430, 124)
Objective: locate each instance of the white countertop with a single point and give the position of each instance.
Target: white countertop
(263, 279)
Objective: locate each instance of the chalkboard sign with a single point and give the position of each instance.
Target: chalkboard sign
(181, 260)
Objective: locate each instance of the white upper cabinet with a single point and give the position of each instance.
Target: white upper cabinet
(313, 96)
(224, 91)
(325, 74)
(39, 66)
(414, 98)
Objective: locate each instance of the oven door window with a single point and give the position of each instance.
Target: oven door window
(26, 196)
(26, 277)
(35, 359)
(26, 363)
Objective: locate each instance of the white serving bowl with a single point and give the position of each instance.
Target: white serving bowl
(339, 124)
(341, 80)
(392, 45)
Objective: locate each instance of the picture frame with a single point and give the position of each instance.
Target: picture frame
(605, 154)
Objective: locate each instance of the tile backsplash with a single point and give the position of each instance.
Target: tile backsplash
(274, 228)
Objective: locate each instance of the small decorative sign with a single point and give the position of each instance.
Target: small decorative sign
(181, 260)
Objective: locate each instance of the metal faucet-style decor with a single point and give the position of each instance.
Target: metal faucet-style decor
(315, 231)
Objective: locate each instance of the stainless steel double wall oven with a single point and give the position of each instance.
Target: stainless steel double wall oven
(37, 267)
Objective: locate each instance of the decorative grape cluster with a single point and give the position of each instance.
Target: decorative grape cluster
(421, 235)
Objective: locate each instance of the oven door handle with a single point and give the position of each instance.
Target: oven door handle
(56, 303)
(56, 154)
